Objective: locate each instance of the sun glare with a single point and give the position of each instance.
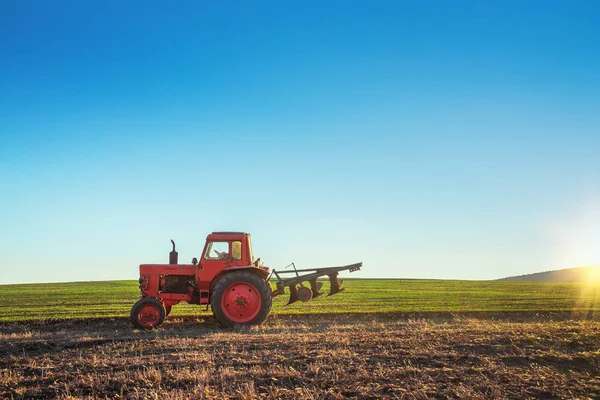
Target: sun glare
(592, 275)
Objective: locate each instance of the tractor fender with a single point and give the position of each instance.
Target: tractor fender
(263, 273)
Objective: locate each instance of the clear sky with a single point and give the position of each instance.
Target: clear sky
(440, 139)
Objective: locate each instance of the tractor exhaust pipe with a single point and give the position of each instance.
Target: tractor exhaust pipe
(173, 254)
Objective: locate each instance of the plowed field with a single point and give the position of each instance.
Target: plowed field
(305, 357)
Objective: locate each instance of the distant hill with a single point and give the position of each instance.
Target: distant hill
(579, 274)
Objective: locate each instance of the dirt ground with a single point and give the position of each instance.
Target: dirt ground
(304, 357)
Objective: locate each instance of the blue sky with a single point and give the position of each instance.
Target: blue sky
(440, 140)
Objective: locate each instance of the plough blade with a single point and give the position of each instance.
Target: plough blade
(293, 295)
(304, 294)
(335, 284)
(316, 287)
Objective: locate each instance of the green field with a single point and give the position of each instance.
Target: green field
(38, 302)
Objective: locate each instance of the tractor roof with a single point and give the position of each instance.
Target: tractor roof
(225, 235)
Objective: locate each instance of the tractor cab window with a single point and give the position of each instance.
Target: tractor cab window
(236, 250)
(217, 251)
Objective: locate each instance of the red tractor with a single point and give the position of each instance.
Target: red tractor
(228, 279)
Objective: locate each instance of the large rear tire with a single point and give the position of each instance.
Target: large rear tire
(241, 298)
(148, 313)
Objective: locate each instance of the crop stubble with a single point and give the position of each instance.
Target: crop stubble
(310, 356)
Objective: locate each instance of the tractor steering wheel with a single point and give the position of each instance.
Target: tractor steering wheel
(222, 255)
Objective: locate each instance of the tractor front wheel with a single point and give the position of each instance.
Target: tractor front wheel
(241, 298)
(148, 313)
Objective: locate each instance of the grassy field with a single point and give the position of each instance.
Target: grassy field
(58, 301)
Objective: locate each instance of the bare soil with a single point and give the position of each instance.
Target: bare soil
(304, 357)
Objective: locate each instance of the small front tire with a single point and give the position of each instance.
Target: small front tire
(148, 313)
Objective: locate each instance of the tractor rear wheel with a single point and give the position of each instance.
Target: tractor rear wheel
(148, 313)
(241, 298)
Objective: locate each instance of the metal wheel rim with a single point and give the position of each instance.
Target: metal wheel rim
(241, 302)
(148, 315)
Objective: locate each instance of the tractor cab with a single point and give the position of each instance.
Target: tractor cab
(225, 251)
(233, 247)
